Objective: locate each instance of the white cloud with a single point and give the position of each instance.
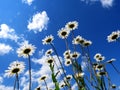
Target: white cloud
(29, 2)
(107, 3)
(38, 22)
(1, 79)
(104, 3)
(7, 33)
(3, 87)
(4, 49)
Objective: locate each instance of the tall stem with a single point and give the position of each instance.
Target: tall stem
(17, 79)
(29, 72)
(14, 84)
(115, 68)
(46, 85)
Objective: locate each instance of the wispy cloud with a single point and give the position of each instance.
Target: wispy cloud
(107, 3)
(4, 49)
(38, 22)
(7, 33)
(29, 2)
(104, 3)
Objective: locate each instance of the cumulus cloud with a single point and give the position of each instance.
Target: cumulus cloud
(7, 33)
(38, 22)
(4, 49)
(104, 3)
(29, 2)
(3, 87)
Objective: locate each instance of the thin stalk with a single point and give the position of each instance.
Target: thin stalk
(14, 84)
(29, 72)
(17, 79)
(74, 46)
(115, 68)
(46, 85)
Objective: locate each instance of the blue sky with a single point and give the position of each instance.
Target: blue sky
(97, 19)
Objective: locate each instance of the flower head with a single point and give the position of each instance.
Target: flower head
(43, 77)
(113, 36)
(87, 43)
(50, 60)
(75, 55)
(78, 40)
(49, 52)
(101, 73)
(63, 33)
(48, 39)
(111, 60)
(26, 49)
(72, 25)
(68, 77)
(98, 57)
(79, 75)
(68, 62)
(15, 67)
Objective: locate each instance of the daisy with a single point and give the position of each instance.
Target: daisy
(72, 25)
(98, 57)
(48, 39)
(15, 67)
(102, 73)
(50, 60)
(63, 33)
(87, 43)
(113, 36)
(78, 40)
(111, 60)
(79, 75)
(75, 55)
(113, 86)
(49, 52)
(26, 49)
(67, 52)
(99, 67)
(43, 77)
(68, 62)
(68, 77)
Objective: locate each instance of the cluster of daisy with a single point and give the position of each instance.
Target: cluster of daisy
(68, 56)
(80, 40)
(113, 36)
(65, 31)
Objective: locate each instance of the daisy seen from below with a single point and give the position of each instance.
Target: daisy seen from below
(72, 25)
(98, 57)
(113, 36)
(79, 74)
(63, 33)
(49, 52)
(111, 60)
(15, 67)
(75, 55)
(50, 60)
(48, 39)
(78, 40)
(68, 62)
(67, 52)
(87, 43)
(26, 49)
